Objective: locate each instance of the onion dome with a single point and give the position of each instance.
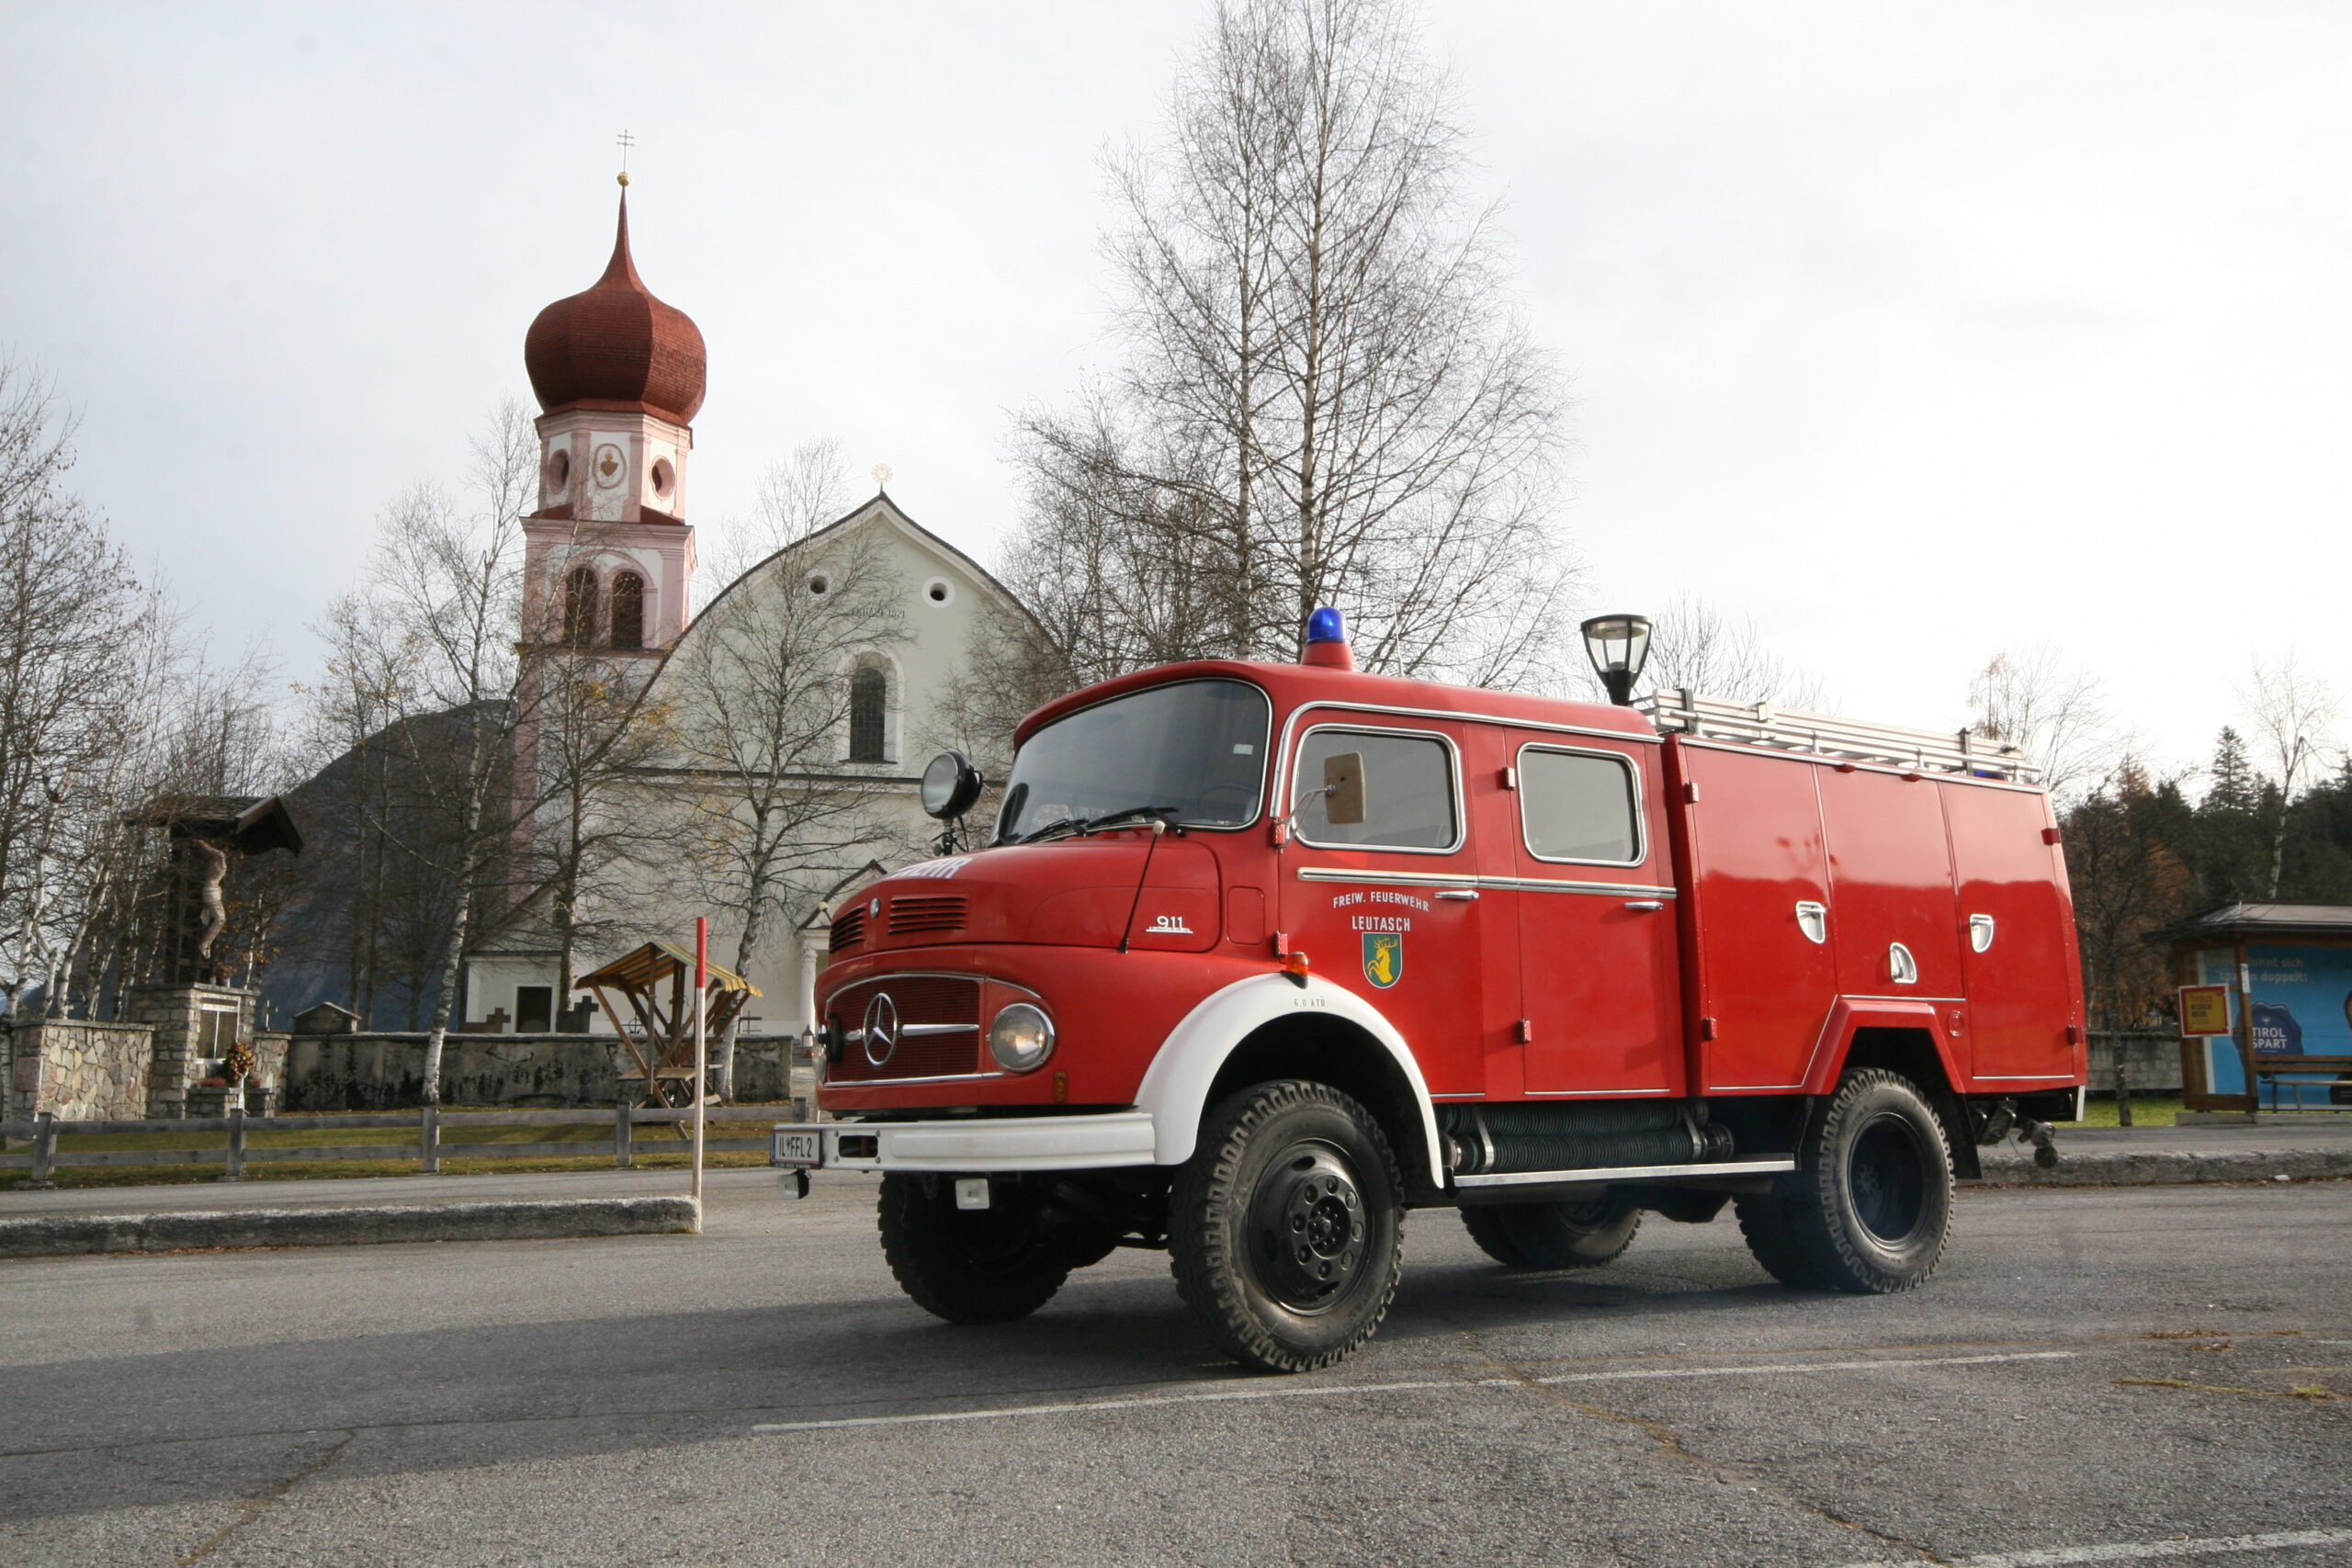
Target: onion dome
(616, 346)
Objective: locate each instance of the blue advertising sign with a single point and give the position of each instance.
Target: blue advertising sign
(2301, 1005)
(2303, 1000)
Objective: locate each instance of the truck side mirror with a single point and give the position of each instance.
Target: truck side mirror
(1343, 789)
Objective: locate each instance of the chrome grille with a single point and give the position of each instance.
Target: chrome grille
(910, 916)
(934, 1019)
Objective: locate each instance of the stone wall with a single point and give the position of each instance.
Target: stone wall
(2151, 1060)
(78, 1071)
(386, 1072)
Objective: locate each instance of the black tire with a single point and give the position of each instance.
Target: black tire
(1583, 1234)
(1869, 1206)
(1287, 1229)
(968, 1266)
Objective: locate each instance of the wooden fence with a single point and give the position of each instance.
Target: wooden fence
(426, 1144)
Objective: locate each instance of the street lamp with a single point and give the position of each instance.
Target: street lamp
(1618, 647)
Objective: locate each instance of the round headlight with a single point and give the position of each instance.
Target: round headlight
(1021, 1038)
(950, 785)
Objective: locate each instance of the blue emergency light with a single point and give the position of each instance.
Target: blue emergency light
(1327, 641)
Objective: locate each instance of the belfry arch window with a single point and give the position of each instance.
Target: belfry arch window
(628, 610)
(869, 711)
(580, 606)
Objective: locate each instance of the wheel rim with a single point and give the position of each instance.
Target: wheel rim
(1889, 1180)
(1307, 1223)
(1587, 1215)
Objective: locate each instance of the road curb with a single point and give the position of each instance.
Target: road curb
(2168, 1167)
(49, 1235)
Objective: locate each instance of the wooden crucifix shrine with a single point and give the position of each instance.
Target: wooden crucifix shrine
(660, 1028)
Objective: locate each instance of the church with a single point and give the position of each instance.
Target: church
(784, 726)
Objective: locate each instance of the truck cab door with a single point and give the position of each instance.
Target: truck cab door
(1598, 957)
(1387, 903)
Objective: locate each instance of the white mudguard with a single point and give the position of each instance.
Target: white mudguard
(1175, 1089)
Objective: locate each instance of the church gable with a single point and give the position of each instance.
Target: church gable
(888, 609)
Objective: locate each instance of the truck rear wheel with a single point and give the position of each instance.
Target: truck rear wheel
(1285, 1228)
(991, 1265)
(1870, 1203)
(1582, 1235)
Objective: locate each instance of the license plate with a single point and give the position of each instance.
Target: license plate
(798, 1149)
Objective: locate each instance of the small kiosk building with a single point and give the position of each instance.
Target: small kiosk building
(2266, 1006)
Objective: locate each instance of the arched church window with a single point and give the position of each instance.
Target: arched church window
(628, 610)
(869, 698)
(580, 606)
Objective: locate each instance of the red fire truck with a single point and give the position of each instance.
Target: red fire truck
(1261, 956)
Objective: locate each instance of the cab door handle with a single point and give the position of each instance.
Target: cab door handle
(1645, 903)
(1460, 895)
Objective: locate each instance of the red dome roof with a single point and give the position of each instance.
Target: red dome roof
(616, 346)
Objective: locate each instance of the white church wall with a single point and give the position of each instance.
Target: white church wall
(940, 604)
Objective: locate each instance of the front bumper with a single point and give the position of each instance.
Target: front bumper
(1099, 1142)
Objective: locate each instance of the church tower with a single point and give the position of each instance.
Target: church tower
(619, 376)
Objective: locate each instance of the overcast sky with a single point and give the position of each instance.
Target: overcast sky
(1907, 331)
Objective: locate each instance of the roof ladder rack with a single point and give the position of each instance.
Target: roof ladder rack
(1680, 711)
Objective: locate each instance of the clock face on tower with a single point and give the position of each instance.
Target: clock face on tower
(609, 466)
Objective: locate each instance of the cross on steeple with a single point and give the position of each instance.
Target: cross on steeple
(624, 142)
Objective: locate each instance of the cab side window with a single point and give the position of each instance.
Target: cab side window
(1575, 806)
(1407, 790)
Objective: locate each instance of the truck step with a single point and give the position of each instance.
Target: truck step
(1602, 1175)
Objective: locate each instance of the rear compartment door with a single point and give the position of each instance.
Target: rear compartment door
(2016, 932)
(1893, 917)
(1755, 876)
(1600, 982)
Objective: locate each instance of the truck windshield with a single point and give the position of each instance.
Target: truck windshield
(1194, 753)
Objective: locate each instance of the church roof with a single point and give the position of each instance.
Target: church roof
(879, 507)
(614, 345)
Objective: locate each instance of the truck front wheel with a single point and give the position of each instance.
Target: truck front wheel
(989, 1265)
(1582, 1235)
(1285, 1228)
(1870, 1203)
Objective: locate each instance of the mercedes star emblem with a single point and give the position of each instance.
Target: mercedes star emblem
(881, 1029)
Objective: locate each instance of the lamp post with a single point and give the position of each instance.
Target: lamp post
(1617, 646)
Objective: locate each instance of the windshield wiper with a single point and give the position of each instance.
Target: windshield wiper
(1085, 825)
(1108, 818)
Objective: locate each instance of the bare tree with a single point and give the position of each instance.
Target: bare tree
(1328, 395)
(761, 693)
(798, 495)
(2292, 712)
(590, 730)
(1696, 646)
(70, 609)
(426, 674)
(2052, 711)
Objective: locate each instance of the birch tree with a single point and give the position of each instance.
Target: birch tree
(426, 676)
(2292, 712)
(70, 610)
(1328, 393)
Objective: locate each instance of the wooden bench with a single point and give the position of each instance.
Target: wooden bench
(2273, 1069)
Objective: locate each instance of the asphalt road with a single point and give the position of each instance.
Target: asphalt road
(762, 1395)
